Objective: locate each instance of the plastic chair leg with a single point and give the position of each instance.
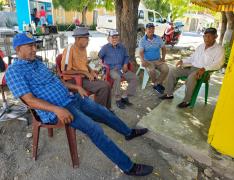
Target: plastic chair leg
(71, 137)
(145, 79)
(138, 70)
(195, 93)
(206, 91)
(36, 133)
(50, 132)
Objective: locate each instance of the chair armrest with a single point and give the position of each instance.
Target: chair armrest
(76, 77)
(130, 66)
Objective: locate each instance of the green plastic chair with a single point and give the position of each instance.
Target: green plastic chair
(204, 79)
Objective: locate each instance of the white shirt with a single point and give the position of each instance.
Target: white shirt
(211, 58)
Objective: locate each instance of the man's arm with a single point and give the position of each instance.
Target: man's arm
(62, 114)
(163, 53)
(143, 62)
(78, 88)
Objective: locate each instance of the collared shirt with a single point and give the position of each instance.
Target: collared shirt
(25, 77)
(77, 60)
(211, 58)
(115, 57)
(151, 47)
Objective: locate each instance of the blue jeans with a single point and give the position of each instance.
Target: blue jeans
(85, 113)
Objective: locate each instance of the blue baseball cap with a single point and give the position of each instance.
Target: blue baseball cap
(22, 39)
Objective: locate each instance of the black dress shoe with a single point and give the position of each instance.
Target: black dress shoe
(136, 133)
(120, 104)
(140, 170)
(126, 101)
(165, 96)
(183, 105)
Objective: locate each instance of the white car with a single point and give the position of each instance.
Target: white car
(106, 23)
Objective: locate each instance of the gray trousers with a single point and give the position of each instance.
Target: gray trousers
(190, 83)
(130, 78)
(101, 89)
(161, 67)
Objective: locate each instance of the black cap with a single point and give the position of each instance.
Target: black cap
(149, 25)
(211, 31)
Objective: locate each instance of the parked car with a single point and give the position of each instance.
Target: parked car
(106, 23)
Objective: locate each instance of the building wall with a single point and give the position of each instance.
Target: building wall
(67, 17)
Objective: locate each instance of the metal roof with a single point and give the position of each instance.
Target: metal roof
(216, 5)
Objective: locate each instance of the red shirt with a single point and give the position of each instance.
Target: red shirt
(42, 13)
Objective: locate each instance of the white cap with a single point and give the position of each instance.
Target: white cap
(113, 33)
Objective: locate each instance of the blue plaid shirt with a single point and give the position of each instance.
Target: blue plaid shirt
(25, 77)
(115, 57)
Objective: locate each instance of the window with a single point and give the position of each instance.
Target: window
(141, 14)
(151, 16)
(158, 18)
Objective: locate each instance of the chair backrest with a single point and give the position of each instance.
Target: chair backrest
(58, 63)
(3, 68)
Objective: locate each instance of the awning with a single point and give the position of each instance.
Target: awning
(216, 5)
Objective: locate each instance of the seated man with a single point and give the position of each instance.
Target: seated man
(29, 79)
(150, 46)
(115, 55)
(208, 56)
(76, 62)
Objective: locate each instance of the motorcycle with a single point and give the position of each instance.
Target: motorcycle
(172, 34)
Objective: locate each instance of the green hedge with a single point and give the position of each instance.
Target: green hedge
(66, 27)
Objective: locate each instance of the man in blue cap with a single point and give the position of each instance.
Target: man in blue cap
(151, 58)
(29, 79)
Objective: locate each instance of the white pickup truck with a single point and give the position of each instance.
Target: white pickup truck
(106, 23)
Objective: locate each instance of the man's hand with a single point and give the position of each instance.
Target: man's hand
(125, 68)
(200, 72)
(81, 91)
(63, 115)
(179, 63)
(144, 63)
(89, 76)
(163, 60)
(94, 74)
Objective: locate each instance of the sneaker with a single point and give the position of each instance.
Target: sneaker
(165, 96)
(159, 89)
(140, 170)
(120, 104)
(183, 105)
(161, 86)
(136, 133)
(126, 101)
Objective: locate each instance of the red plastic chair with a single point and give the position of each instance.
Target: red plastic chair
(107, 76)
(71, 136)
(63, 75)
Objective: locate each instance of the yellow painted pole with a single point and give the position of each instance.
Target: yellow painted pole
(221, 132)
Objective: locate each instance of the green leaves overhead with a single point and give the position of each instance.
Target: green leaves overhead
(79, 5)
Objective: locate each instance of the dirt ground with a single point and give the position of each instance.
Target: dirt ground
(54, 159)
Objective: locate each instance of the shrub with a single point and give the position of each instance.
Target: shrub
(93, 27)
(227, 48)
(66, 27)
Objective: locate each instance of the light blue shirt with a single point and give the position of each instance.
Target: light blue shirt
(151, 47)
(115, 57)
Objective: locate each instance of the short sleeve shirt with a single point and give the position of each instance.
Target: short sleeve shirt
(151, 48)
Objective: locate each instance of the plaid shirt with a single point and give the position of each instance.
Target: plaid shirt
(114, 57)
(25, 77)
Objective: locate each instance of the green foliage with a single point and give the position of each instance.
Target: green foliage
(66, 27)
(175, 7)
(227, 48)
(93, 27)
(1, 6)
(161, 6)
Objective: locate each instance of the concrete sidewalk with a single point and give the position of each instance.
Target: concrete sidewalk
(185, 130)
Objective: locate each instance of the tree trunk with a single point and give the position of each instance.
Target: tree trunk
(230, 27)
(126, 23)
(84, 20)
(223, 27)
